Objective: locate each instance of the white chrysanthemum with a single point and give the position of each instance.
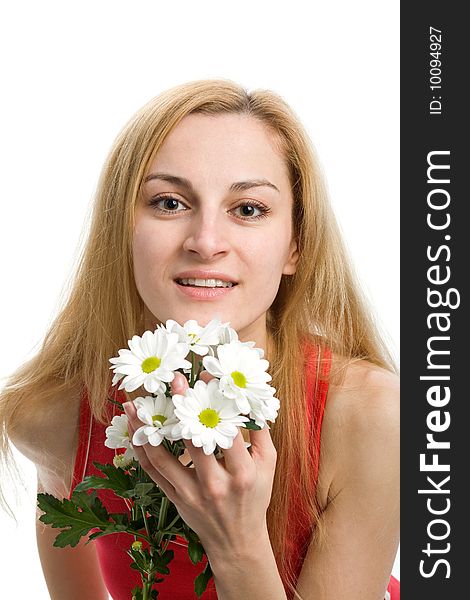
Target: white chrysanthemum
(150, 361)
(227, 335)
(243, 377)
(206, 417)
(124, 460)
(117, 436)
(159, 420)
(199, 339)
(263, 410)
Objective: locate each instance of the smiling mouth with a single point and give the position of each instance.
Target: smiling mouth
(205, 283)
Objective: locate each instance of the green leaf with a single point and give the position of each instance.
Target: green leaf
(144, 501)
(252, 425)
(78, 515)
(136, 593)
(120, 518)
(112, 528)
(161, 561)
(201, 581)
(195, 550)
(142, 489)
(115, 479)
(141, 560)
(142, 493)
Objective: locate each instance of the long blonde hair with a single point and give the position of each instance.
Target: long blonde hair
(321, 303)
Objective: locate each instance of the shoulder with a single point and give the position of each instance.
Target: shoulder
(365, 395)
(361, 424)
(47, 434)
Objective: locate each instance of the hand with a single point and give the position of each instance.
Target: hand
(224, 501)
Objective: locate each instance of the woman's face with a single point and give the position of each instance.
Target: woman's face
(216, 208)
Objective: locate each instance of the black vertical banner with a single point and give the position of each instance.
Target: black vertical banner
(435, 259)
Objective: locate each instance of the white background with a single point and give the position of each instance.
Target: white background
(74, 73)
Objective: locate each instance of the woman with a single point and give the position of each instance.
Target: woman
(211, 187)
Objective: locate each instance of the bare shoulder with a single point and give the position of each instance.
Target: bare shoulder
(365, 392)
(48, 436)
(362, 419)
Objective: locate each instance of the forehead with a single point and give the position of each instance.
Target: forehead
(228, 144)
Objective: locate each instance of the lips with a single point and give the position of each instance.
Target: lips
(203, 292)
(205, 275)
(210, 283)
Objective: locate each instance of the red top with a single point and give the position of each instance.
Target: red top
(111, 549)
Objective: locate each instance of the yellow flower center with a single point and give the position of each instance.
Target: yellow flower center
(209, 417)
(136, 545)
(160, 418)
(239, 379)
(151, 364)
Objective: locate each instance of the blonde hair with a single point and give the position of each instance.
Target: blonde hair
(321, 303)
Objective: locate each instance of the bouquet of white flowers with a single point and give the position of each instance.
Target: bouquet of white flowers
(208, 414)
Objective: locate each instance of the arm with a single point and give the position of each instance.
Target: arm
(360, 441)
(71, 573)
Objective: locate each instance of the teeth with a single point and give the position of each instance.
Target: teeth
(205, 282)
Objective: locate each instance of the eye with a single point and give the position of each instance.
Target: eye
(252, 210)
(166, 204)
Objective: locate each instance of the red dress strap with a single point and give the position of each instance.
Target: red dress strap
(84, 436)
(317, 367)
(317, 363)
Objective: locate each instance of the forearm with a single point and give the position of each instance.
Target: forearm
(71, 573)
(255, 576)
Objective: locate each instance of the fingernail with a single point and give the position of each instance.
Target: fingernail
(125, 407)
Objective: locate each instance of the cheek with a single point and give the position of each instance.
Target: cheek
(267, 253)
(148, 240)
(148, 253)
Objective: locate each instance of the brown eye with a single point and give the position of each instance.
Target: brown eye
(247, 211)
(167, 204)
(252, 211)
(170, 203)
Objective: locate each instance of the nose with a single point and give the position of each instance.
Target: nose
(207, 236)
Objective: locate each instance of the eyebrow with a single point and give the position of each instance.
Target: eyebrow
(238, 186)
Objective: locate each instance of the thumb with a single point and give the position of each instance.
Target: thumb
(179, 384)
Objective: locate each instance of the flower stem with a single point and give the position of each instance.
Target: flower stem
(193, 370)
(173, 522)
(147, 583)
(161, 520)
(144, 514)
(146, 589)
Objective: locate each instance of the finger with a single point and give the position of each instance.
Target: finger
(131, 412)
(156, 458)
(144, 462)
(237, 457)
(262, 447)
(207, 466)
(179, 384)
(206, 376)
